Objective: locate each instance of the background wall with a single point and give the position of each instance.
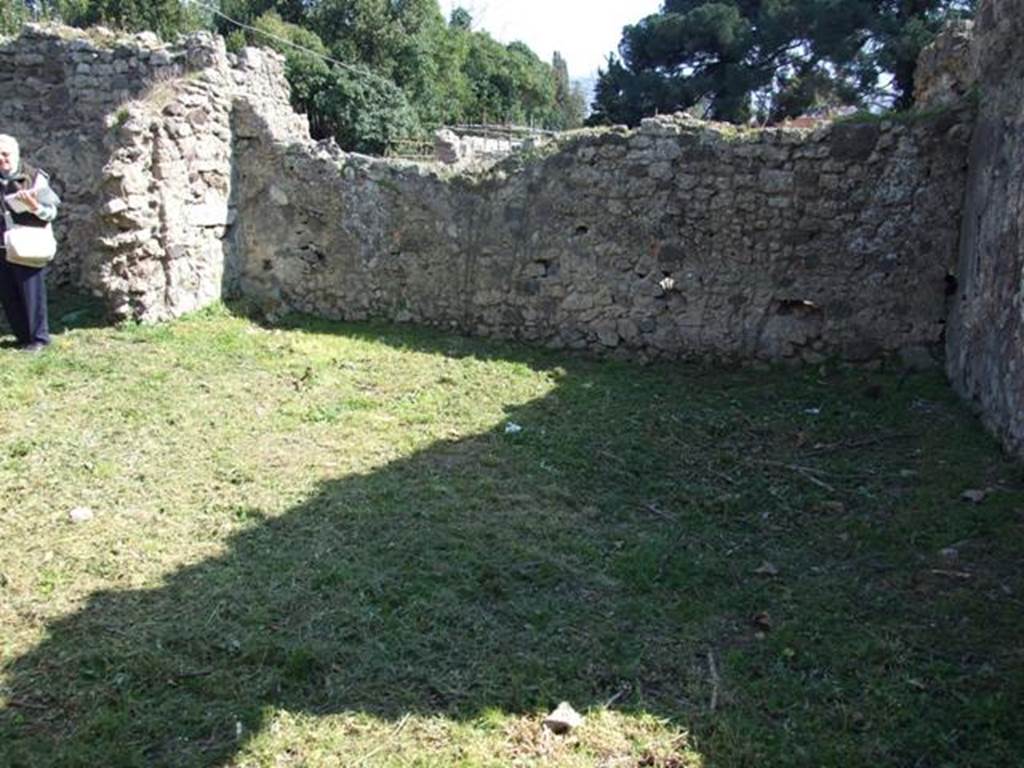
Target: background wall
(985, 344)
(680, 239)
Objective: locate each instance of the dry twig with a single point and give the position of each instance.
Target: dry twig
(26, 705)
(397, 730)
(715, 681)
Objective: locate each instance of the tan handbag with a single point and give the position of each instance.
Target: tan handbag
(29, 246)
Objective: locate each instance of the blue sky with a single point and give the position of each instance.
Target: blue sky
(583, 31)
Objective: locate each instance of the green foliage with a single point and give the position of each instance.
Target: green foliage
(772, 60)
(405, 69)
(447, 72)
(246, 11)
(12, 15)
(363, 111)
(460, 19)
(168, 18)
(272, 29)
(367, 113)
(428, 72)
(508, 83)
(570, 102)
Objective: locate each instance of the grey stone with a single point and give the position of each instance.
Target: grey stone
(985, 332)
(81, 515)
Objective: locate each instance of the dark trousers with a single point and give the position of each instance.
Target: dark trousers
(23, 296)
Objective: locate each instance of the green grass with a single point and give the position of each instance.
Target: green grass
(317, 544)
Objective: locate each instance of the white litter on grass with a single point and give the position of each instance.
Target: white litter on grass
(80, 515)
(812, 411)
(563, 719)
(512, 428)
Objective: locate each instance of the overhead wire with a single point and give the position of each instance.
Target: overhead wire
(242, 25)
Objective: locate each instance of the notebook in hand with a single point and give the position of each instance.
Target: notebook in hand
(16, 205)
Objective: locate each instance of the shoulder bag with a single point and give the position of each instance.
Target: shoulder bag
(28, 246)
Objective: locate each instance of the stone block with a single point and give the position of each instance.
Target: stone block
(211, 213)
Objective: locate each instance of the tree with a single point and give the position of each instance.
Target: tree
(402, 68)
(460, 19)
(363, 111)
(402, 40)
(292, 11)
(786, 55)
(508, 83)
(367, 113)
(13, 13)
(571, 104)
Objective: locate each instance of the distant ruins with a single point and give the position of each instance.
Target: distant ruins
(187, 178)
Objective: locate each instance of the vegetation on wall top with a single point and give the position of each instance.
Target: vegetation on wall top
(403, 69)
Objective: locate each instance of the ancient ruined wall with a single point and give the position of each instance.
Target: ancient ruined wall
(58, 88)
(985, 343)
(136, 135)
(163, 205)
(186, 176)
(166, 205)
(679, 239)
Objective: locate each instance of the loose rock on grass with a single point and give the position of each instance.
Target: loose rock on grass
(563, 719)
(80, 515)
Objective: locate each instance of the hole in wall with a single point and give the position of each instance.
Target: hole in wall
(318, 255)
(793, 306)
(581, 230)
(951, 283)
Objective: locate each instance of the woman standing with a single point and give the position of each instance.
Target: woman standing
(23, 289)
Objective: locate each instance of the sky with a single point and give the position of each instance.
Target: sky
(583, 31)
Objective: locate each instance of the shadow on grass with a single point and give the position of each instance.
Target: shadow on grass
(595, 554)
(71, 310)
(462, 579)
(68, 310)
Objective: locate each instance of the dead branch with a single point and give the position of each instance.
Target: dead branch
(715, 680)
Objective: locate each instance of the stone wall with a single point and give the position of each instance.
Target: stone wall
(166, 205)
(59, 86)
(187, 176)
(136, 135)
(985, 343)
(679, 239)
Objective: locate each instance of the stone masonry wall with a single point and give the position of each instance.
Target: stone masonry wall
(136, 135)
(680, 239)
(188, 176)
(59, 88)
(166, 208)
(985, 343)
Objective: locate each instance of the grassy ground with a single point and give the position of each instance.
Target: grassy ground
(322, 544)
